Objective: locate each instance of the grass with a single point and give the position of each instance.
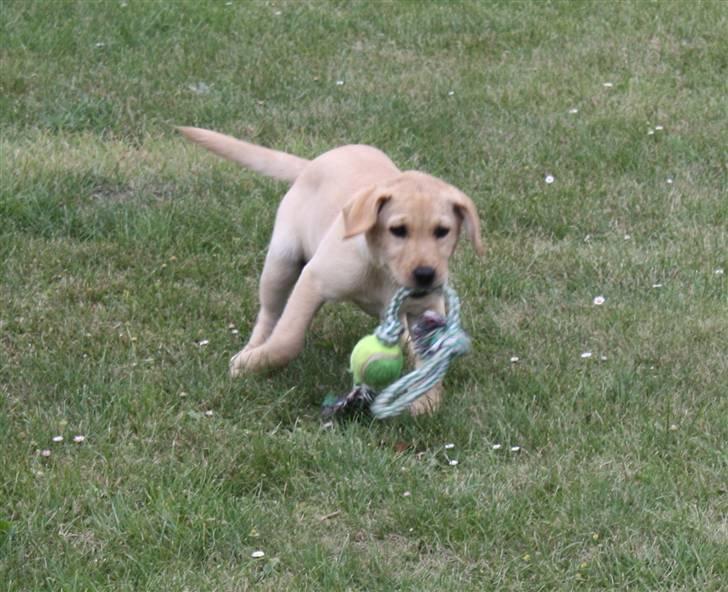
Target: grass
(121, 248)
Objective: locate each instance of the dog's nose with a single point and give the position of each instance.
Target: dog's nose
(424, 276)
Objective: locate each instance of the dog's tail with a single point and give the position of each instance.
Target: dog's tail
(265, 161)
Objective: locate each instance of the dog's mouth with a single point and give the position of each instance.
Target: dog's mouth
(418, 293)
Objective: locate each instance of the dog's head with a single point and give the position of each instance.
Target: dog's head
(412, 225)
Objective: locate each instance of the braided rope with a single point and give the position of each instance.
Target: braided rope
(391, 329)
(446, 342)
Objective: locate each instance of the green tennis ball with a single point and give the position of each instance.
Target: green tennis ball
(376, 364)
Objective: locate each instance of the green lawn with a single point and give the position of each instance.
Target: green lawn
(122, 248)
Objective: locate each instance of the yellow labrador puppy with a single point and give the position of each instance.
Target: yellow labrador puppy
(351, 227)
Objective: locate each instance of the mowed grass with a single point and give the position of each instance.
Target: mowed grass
(122, 249)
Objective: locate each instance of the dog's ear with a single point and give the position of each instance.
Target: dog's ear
(465, 208)
(360, 214)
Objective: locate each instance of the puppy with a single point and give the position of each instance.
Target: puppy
(351, 227)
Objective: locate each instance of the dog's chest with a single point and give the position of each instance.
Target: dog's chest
(374, 296)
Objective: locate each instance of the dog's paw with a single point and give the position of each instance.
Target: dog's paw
(251, 359)
(428, 403)
(242, 362)
(236, 365)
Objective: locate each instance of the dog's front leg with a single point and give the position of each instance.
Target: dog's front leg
(430, 401)
(287, 338)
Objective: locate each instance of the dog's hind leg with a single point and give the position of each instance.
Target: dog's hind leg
(280, 273)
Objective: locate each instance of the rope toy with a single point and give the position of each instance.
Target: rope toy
(377, 359)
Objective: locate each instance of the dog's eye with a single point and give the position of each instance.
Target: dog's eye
(398, 231)
(441, 232)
